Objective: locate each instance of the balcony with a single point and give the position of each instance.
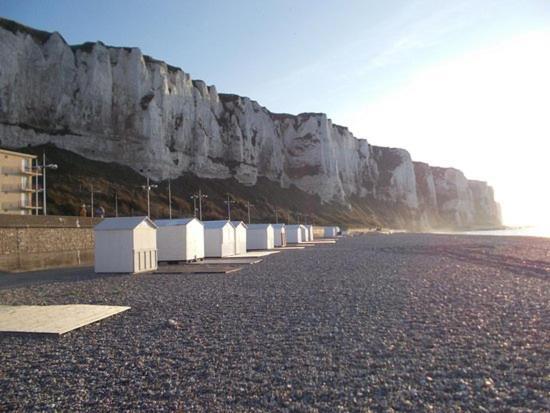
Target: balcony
(11, 206)
(31, 171)
(17, 189)
(21, 171)
(17, 206)
(31, 207)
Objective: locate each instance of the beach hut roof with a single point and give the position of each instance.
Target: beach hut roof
(258, 226)
(278, 225)
(174, 222)
(237, 223)
(215, 224)
(122, 223)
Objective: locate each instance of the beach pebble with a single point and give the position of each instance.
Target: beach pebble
(404, 322)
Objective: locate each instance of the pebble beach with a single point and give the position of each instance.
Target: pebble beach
(401, 322)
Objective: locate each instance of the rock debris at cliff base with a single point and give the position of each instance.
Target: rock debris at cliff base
(405, 322)
(115, 104)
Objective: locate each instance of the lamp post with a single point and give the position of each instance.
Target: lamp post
(201, 196)
(43, 167)
(169, 199)
(248, 206)
(92, 192)
(298, 215)
(36, 186)
(276, 216)
(194, 198)
(228, 202)
(148, 188)
(92, 200)
(116, 204)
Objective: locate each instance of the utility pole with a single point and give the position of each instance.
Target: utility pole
(36, 183)
(44, 183)
(92, 200)
(92, 194)
(148, 188)
(248, 205)
(194, 198)
(44, 167)
(201, 196)
(298, 215)
(276, 216)
(169, 199)
(116, 204)
(228, 203)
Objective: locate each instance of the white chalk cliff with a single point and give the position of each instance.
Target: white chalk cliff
(115, 104)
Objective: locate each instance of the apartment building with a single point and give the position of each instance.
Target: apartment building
(19, 177)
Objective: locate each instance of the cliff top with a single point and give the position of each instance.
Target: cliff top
(15, 27)
(42, 37)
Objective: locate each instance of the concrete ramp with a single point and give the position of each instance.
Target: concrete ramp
(217, 268)
(254, 254)
(52, 319)
(228, 261)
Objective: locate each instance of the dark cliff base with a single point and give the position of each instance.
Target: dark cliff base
(70, 186)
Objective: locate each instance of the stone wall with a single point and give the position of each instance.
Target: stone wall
(37, 242)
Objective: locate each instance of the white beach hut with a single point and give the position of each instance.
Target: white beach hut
(127, 245)
(309, 232)
(279, 235)
(240, 236)
(219, 239)
(305, 233)
(180, 239)
(330, 232)
(293, 234)
(260, 237)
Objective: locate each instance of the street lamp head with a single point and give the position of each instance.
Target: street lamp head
(52, 166)
(154, 186)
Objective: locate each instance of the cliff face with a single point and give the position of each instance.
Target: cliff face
(115, 104)
(427, 197)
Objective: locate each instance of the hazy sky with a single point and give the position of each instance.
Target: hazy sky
(463, 83)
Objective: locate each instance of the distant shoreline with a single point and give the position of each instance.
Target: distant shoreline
(516, 231)
(526, 231)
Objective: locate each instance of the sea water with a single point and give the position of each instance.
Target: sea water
(534, 231)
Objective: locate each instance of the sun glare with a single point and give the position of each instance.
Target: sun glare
(485, 113)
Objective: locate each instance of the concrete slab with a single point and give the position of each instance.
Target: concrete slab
(291, 247)
(52, 319)
(197, 269)
(12, 280)
(226, 260)
(254, 254)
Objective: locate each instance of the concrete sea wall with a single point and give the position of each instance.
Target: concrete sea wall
(38, 242)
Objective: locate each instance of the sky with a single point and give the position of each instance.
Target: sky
(462, 83)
